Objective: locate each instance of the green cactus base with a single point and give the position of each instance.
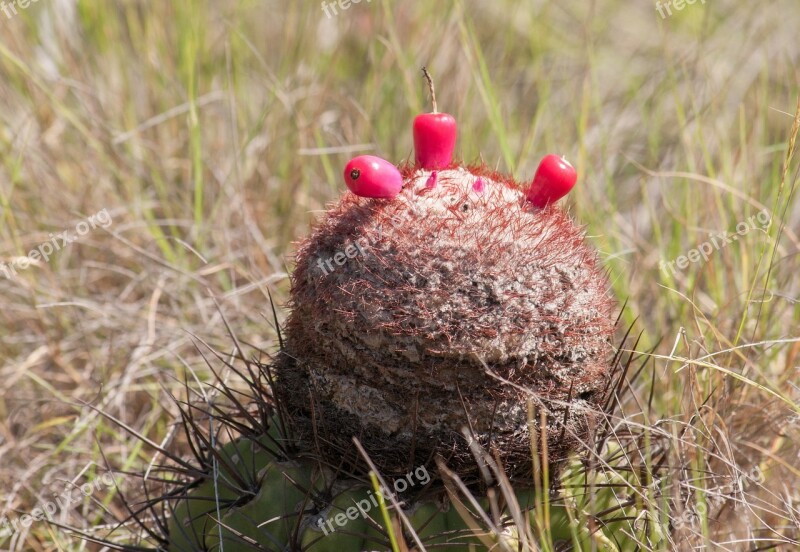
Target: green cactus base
(254, 500)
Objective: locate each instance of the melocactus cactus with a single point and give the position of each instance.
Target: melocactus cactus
(455, 304)
(436, 307)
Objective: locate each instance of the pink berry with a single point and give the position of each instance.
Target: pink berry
(434, 140)
(554, 178)
(370, 176)
(434, 135)
(478, 185)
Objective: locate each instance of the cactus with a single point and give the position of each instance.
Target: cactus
(453, 305)
(410, 319)
(253, 499)
(452, 319)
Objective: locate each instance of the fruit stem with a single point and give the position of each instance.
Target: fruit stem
(430, 87)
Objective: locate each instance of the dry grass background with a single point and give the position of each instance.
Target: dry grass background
(214, 134)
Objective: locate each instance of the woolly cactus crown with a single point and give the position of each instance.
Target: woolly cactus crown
(453, 305)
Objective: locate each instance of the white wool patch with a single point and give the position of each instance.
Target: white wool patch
(452, 186)
(456, 182)
(471, 198)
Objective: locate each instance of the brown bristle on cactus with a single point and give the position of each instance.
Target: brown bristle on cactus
(456, 304)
